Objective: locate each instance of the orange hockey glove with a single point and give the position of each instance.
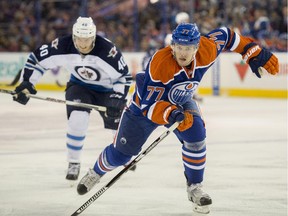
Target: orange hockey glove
(185, 117)
(258, 57)
(187, 122)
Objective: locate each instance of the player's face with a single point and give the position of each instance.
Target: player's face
(184, 54)
(84, 45)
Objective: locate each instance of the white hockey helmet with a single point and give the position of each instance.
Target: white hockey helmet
(84, 28)
(182, 17)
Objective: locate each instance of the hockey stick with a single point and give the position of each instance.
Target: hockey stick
(125, 169)
(71, 103)
(16, 79)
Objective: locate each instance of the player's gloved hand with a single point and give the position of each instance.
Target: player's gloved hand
(179, 115)
(116, 104)
(258, 57)
(20, 90)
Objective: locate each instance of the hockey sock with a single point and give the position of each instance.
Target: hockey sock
(76, 132)
(194, 164)
(109, 159)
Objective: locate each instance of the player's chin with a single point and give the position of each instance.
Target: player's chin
(84, 51)
(182, 62)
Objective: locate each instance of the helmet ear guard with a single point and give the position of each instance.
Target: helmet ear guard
(84, 27)
(186, 34)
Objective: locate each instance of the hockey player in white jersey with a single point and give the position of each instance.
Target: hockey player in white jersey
(99, 76)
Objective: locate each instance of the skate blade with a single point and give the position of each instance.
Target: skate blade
(200, 210)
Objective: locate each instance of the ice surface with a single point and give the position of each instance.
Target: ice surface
(246, 172)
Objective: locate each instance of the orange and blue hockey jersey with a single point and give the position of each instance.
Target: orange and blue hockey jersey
(165, 85)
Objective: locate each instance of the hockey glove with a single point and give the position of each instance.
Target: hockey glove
(258, 57)
(115, 105)
(179, 115)
(20, 90)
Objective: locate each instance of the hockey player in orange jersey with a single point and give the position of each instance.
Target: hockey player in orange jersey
(163, 95)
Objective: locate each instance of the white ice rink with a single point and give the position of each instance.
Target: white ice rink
(246, 172)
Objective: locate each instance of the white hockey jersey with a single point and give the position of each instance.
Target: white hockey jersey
(103, 69)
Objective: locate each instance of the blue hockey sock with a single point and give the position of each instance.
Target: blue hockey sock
(109, 159)
(194, 164)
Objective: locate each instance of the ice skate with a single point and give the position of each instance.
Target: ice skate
(200, 199)
(73, 171)
(88, 181)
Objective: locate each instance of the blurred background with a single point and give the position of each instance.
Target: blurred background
(133, 25)
(247, 165)
(139, 27)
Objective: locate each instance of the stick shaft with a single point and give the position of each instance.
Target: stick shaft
(125, 169)
(71, 103)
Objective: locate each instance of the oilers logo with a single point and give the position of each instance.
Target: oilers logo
(88, 73)
(181, 92)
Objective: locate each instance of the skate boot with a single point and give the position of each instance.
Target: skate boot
(200, 199)
(73, 171)
(88, 181)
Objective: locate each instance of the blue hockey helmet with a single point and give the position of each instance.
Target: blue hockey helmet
(186, 34)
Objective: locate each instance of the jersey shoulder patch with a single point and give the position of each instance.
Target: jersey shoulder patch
(58, 46)
(63, 45)
(103, 47)
(109, 53)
